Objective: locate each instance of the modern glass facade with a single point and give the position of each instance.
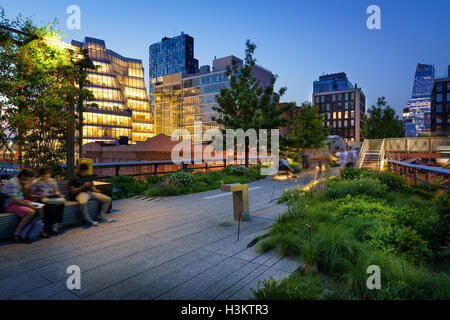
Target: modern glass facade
(180, 99)
(420, 103)
(342, 104)
(121, 95)
(332, 82)
(172, 55)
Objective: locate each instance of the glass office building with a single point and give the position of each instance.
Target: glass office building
(332, 82)
(172, 55)
(121, 95)
(342, 104)
(181, 98)
(420, 103)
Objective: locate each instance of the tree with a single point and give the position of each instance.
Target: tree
(246, 104)
(308, 130)
(382, 122)
(37, 82)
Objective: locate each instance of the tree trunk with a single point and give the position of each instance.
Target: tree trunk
(70, 142)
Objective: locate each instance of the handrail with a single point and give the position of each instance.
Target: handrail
(381, 157)
(417, 166)
(362, 153)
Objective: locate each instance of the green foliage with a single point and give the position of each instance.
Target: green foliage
(393, 181)
(127, 187)
(236, 170)
(356, 225)
(308, 130)
(246, 104)
(38, 81)
(368, 186)
(181, 179)
(381, 122)
(293, 287)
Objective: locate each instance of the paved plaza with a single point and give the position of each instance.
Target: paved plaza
(182, 247)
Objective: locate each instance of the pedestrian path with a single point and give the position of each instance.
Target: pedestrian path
(182, 247)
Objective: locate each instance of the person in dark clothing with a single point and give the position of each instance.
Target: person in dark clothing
(82, 189)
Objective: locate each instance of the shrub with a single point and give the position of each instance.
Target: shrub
(293, 287)
(401, 240)
(127, 187)
(236, 170)
(355, 173)
(368, 186)
(181, 180)
(393, 181)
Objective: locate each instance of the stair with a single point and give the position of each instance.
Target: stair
(371, 160)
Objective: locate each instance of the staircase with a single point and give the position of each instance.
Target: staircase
(371, 154)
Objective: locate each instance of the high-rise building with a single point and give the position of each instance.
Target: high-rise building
(440, 107)
(343, 105)
(121, 95)
(172, 55)
(420, 104)
(180, 98)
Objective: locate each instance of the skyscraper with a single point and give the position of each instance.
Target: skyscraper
(420, 103)
(172, 55)
(180, 99)
(343, 105)
(119, 89)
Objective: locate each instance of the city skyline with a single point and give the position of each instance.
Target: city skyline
(297, 41)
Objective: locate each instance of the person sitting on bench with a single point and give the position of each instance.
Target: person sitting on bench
(82, 189)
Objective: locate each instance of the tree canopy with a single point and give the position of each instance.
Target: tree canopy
(382, 122)
(307, 131)
(246, 103)
(37, 80)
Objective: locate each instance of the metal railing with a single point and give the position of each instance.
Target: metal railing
(362, 153)
(183, 165)
(414, 171)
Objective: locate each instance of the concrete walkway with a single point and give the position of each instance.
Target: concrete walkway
(162, 248)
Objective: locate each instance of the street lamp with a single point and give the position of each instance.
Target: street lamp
(406, 115)
(77, 55)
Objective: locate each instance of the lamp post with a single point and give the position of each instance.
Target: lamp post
(70, 137)
(406, 115)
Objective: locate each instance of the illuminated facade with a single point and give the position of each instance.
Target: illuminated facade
(420, 103)
(121, 95)
(179, 99)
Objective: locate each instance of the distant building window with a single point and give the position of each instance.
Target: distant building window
(448, 85)
(346, 105)
(438, 86)
(322, 99)
(353, 96)
(334, 97)
(439, 118)
(439, 108)
(448, 97)
(317, 99)
(439, 97)
(328, 107)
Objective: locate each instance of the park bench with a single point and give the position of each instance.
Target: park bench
(72, 214)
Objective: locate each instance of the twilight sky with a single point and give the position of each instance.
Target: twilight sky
(298, 40)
